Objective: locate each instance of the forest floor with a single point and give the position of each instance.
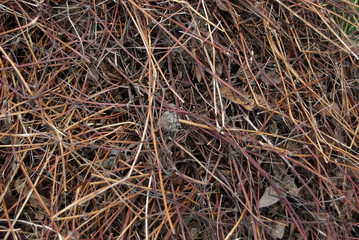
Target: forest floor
(203, 119)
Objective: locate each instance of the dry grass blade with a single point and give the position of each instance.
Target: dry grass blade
(179, 119)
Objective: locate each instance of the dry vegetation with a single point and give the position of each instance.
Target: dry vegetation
(205, 119)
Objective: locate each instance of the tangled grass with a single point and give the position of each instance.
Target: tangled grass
(205, 119)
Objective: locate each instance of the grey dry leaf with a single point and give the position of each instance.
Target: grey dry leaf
(268, 198)
(277, 230)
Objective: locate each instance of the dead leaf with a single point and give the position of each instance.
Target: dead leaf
(197, 70)
(222, 5)
(39, 215)
(293, 232)
(24, 190)
(249, 104)
(277, 230)
(293, 148)
(273, 127)
(94, 73)
(109, 71)
(285, 181)
(330, 110)
(226, 173)
(289, 184)
(20, 187)
(273, 76)
(268, 198)
(197, 73)
(319, 216)
(227, 8)
(219, 69)
(57, 2)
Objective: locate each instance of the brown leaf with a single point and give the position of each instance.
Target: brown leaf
(330, 110)
(94, 73)
(20, 187)
(219, 69)
(195, 67)
(222, 5)
(197, 73)
(273, 76)
(24, 190)
(227, 93)
(289, 184)
(293, 147)
(109, 71)
(319, 216)
(39, 215)
(57, 1)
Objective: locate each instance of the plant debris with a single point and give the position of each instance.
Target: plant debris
(179, 119)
